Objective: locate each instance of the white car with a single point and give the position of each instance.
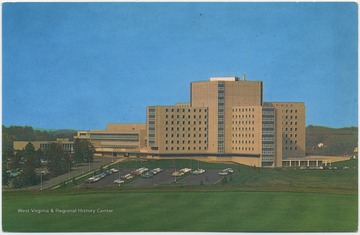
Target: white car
(228, 170)
(198, 171)
(177, 173)
(185, 170)
(118, 181)
(114, 170)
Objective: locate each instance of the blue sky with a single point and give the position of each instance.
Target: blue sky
(82, 65)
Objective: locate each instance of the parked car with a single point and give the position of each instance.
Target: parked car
(177, 173)
(147, 175)
(185, 170)
(228, 170)
(90, 180)
(118, 181)
(114, 170)
(198, 171)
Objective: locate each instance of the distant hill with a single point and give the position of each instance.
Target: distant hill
(331, 141)
(28, 133)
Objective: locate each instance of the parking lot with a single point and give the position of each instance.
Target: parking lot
(209, 177)
(162, 178)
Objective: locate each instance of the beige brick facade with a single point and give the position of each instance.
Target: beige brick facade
(177, 129)
(226, 118)
(117, 139)
(246, 129)
(290, 130)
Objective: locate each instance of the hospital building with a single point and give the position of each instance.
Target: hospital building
(226, 119)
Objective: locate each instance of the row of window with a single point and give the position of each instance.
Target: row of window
(243, 135)
(183, 122)
(290, 142)
(183, 148)
(289, 123)
(290, 148)
(290, 129)
(243, 129)
(183, 116)
(183, 110)
(183, 129)
(183, 142)
(268, 153)
(268, 159)
(291, 111)
(243, 122)
(112, 136)
(243, 142)
(244, 148)
(289, 135)
(290, 117)
(121, 146)
(66, 146)
(243, 116)
(183, 135)
(244, 110)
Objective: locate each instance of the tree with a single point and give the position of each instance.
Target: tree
(29, 174)
(7, 157)
(18, 181)
(57, 164)
(29, 150)
(83, 151)
(38, 156)
(15, 160)
(5, 175)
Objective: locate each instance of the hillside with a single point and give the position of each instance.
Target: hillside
(331, 141)
(27, 133)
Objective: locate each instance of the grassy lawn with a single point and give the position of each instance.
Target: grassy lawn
(181, 211)
(253, 200)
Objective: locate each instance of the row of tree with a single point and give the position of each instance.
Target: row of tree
(58, 162)
(27, 133)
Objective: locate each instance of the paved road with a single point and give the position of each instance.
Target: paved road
(98, 161)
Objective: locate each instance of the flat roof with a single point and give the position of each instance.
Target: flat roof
(226, 79)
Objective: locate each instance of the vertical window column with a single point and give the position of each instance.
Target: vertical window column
(151, 126)
(221, 107)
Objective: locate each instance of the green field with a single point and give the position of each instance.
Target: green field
(183, 211)
(254, 200)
